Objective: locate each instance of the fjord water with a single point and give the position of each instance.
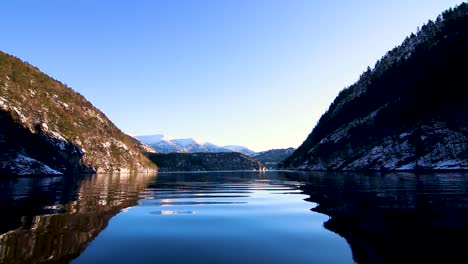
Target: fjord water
(235, 217)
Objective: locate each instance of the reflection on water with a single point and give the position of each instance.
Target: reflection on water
(274, 217)
(168, 203)
(395, 217)
(171, 212)
(237, 217)
(53, 219)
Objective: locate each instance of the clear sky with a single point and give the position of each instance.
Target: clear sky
(244, 72)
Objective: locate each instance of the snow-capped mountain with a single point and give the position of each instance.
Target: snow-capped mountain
(153, 139)
(191, 145)
(167, 144)
(240, 149)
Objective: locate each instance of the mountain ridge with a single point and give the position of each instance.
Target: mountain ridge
(164, 143)
(47, 128)
(205, 161)
(407, 113)
(240, 149)
(273, 158)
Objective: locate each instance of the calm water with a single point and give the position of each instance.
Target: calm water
(239, 217)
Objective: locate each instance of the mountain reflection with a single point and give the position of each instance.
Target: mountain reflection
(65, 221)
(395, 217)
(385, 218)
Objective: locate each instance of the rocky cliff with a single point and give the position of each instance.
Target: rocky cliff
(47, 128)
(409, 112)
(226, 161)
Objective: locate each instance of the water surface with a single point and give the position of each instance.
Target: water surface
(219, 218)
(237, 217)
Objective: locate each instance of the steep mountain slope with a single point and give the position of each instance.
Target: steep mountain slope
(274, 157)
(47, 128)
(409, 112)
(225, 161)
(168, 144)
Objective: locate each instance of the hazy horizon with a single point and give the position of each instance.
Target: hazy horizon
(252, 73)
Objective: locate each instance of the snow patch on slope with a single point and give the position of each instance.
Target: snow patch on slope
(24, 165)
(153, 139)
(184, 142)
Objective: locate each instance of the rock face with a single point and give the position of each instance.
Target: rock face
(227, 161)
(409, 112)
(272, 158)
(47, 128)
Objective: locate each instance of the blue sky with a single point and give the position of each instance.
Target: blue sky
(253, 73)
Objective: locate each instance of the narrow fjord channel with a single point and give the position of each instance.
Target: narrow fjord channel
(234, 217)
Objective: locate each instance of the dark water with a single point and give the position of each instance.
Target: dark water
(274, 217)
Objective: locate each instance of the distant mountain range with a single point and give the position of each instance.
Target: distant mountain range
(273, 157)
(163, 143)
(223, 161)
(240, 149)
